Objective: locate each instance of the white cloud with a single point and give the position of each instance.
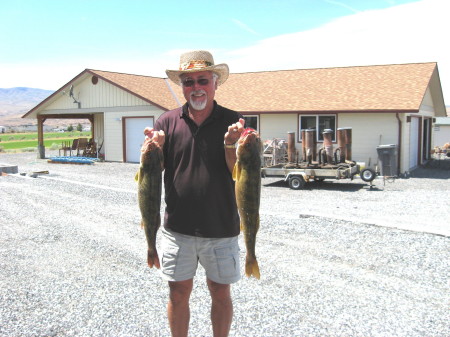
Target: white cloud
(341, 4)
(244, 27)
(408, 33)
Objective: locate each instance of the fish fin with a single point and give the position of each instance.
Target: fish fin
(139, 175)
(236, 171)
(252, 268)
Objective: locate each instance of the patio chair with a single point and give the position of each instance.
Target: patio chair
(74, 146)
(65, 147)
(91, 149)
(81, 147)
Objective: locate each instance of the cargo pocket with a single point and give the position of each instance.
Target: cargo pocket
(169, 260)
(227, 261)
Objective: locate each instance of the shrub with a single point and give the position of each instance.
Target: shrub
(54, 146)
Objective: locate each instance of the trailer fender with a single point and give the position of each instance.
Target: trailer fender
(302, 174)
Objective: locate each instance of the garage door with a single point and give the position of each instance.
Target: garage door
(134, 136)
(414, 143)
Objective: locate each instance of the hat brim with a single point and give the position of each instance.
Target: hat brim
(220, 69)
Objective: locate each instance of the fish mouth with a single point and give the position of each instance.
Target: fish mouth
(148, 145)
(249, 135)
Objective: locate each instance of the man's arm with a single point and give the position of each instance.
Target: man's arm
(230, 138)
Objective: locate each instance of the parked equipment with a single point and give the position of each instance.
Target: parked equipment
(315, 165)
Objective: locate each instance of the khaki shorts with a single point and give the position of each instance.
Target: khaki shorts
(181, 254)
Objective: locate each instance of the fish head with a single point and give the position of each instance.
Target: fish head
(249, 145)
(148, 148)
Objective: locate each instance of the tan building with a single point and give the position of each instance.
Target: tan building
(383, 104)
(441, 134)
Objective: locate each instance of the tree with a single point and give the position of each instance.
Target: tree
(70, 128)
(79, 127)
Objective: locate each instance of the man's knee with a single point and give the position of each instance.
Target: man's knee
(180, 291)
(219, 291)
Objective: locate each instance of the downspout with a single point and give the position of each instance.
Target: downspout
(172, 92)
(399, 143)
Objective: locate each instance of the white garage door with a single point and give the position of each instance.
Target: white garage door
(134, 136)
(414, 143)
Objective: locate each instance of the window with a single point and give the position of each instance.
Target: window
(320, 123)
(252, 122)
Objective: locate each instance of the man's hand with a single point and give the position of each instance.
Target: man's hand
(153, 259)
(157, 136)
(234, 132)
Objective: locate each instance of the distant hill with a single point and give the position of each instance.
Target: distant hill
(22, 94)
(15, 102)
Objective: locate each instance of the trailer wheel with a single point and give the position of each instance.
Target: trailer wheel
(367, 175)
(296, 182)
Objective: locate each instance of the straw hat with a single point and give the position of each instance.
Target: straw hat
(198, 60)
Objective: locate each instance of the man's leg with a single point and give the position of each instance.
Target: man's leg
(178, 307)
(221, 308)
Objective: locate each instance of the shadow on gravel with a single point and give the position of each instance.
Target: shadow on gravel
(333, 186)
(327, 186)
(434, 169)
(278, 183)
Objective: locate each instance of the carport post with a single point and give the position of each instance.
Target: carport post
(40, 129)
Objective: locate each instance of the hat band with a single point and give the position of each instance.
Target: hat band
(195, 65)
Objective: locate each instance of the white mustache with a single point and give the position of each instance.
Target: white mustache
(198, 92)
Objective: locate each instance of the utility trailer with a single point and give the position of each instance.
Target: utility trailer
(280, 159)
(298, 175)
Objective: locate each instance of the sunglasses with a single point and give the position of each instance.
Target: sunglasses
(189, 82)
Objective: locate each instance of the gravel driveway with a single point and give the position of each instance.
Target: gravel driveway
(337, 258)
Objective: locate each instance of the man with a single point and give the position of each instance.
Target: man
(201, 222)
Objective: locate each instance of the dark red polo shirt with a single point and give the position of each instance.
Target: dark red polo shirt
(199, 189)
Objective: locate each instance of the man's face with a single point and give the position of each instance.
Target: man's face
(199, 89)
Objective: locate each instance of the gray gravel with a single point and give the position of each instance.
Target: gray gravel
(337, 258)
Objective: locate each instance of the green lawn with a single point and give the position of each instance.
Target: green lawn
(18, 141)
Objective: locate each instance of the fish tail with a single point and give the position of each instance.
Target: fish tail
(252, 268)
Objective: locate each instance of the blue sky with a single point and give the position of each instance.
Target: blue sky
(46, 43)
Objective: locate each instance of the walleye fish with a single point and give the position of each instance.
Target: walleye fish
(247, 174)
(149, 178)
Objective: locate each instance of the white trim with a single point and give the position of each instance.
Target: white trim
(317, 116)
(99, 110)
